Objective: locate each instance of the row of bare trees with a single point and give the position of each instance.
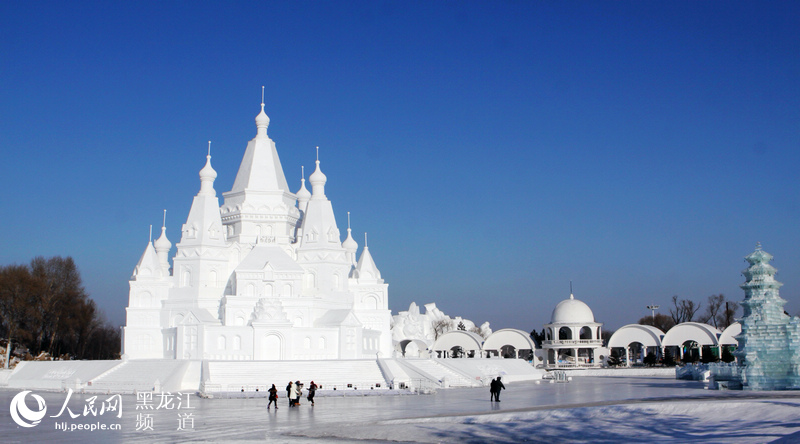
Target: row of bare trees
(44, 308)
(719, 312)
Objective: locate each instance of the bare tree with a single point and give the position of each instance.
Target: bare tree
(712, 314)
(683, 310)
(16, 287)
(440, 327)
(45, 308)
(729, 314)
(660, 321)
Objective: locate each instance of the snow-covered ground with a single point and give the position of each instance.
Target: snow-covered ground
(588, 409)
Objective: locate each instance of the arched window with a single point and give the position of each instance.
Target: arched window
(564, 333)
(586, 333)
(221, 342)
(307, 343)
(322, 343)
(287, 290)
(310, 281)
(212, 278)
(237, 342)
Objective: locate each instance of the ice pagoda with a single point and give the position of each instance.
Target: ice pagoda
(769, 344)
(264, 276)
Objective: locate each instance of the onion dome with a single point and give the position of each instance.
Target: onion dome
(262, 121)
(571, 311)
(318, 180)
(162, 243)
(349, 244)
(207, 176)
(303, 194)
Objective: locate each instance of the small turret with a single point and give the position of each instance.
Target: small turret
(163, 245)
(318, 180)
(303, 195)
(262, 120)
(349, 244)
(207, 176)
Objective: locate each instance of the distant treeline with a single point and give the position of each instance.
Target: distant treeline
(44, 308)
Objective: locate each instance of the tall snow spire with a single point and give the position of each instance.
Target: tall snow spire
(262, 120)
(303, 195)
(365, 268)
(349, 244)
(318, 180)
(163, 246)
(207, 176)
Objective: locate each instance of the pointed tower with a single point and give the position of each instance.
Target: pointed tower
(201, 262)
(149, 286)
(260, 207)
(371, 300)
(366, 271)
(769, 344)
(350, 246)
(320, 249)
(303, 195)
(162, 246)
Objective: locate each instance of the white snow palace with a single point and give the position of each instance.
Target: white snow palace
(265, 276)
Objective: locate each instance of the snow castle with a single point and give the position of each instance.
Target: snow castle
(264, 276)
(261, 290)
(769, 344)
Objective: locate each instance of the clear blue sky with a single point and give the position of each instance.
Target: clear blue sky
(493, 151)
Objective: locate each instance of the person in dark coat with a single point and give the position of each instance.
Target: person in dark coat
(312, 388)
(273, 396)
(289, 393)
(492, 390)
(499, 387)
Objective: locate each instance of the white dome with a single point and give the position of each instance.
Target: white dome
(572, 311)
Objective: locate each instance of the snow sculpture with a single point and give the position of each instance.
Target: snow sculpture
(769, 344)
(411, 325)
(264, 276)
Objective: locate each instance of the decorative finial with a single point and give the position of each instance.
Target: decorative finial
(209, 148)
(164, 224)
(317, 154)
(262, 95)
(758, 245)
(302, 172)
(348, 220)
(365, 239)
(151, 233)
(571, 296)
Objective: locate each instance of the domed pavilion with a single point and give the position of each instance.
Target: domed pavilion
(572, 337)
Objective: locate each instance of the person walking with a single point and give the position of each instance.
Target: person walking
(298, 392)
(312, 388)
(290, 393)
(273, 396)
(499, 387)
(492, 390)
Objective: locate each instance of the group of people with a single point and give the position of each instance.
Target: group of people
(494, 389)
(294, 391)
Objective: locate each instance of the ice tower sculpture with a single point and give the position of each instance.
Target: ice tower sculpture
(769, 344)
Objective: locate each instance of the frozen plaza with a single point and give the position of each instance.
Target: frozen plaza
(588, 409)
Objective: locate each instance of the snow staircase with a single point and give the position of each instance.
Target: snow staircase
(447, 377)
(235, 376)
(141, 375)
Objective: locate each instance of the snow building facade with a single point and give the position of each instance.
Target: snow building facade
(264, 276)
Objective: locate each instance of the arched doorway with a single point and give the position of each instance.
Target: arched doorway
(271, 347)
